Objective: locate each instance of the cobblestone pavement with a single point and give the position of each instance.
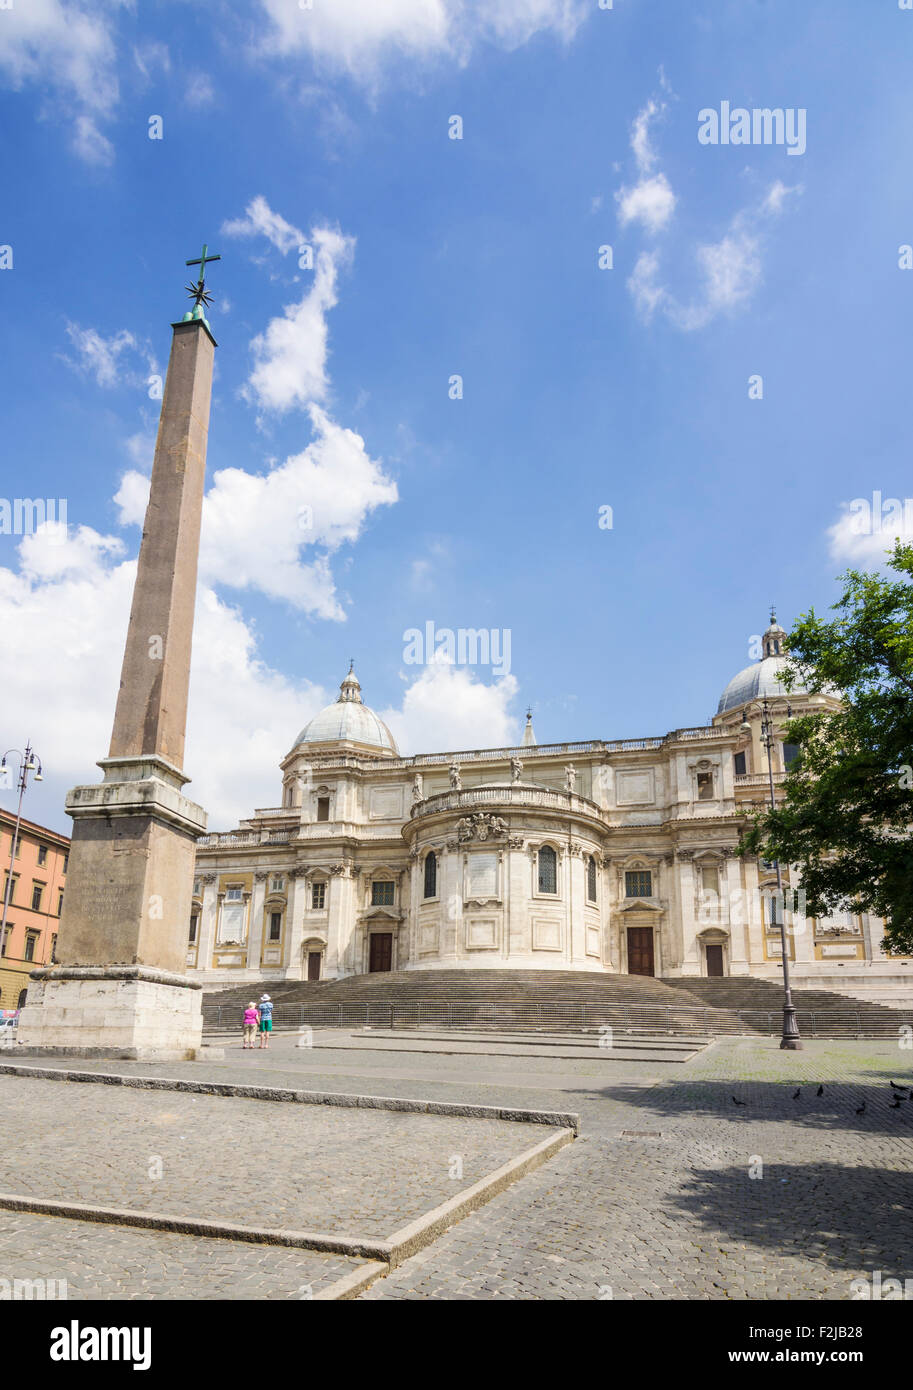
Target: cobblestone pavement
(672, 1217)
(116, 1262)
(350, 1172)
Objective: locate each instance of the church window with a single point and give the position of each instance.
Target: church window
(192, 936)
(318, 895)
(790, 754)
(275, 926)
(638, 883)
(705, 786)
(233, 895)
(548, 870)
(323, 808)
(591, 879)
(382, 892)
(741, 764)
(277, 884)
(431, 875)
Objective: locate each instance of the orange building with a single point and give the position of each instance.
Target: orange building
(39, 876)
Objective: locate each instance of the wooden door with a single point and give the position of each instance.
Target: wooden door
(640, 950)
(313, 965)
(381, 951)
(714, 962)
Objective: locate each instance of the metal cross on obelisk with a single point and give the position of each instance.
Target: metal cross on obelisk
(197, 291)
(119, 985)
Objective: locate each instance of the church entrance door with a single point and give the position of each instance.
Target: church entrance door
(714, 962)
(640, 950)
(381, 957)
(313, 965)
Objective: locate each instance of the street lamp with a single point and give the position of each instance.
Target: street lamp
(28, 762)
(790, 1039)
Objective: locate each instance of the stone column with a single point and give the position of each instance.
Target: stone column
(255, 926)
(121, 988)
(738, 927)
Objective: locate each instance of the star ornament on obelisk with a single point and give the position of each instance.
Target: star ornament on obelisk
(119, 986)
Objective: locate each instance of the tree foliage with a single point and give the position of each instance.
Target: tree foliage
(846, 819)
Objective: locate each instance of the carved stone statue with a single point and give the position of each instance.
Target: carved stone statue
(418, 789)
(455, 782)
(516, 769)
(465, 828)
(570, 777)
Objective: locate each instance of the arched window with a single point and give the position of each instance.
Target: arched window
(431, 875)
(548, 870)
(591, 879)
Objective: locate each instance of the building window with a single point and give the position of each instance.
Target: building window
(591, 879)
(277, 884)
(705, 786)
(194, 921)
(66, 860)
(275, 926)
(54, 949)
(59, 902)
(382, 892)
(548, 870)
(431, 875)
(12, 889)
(31, 939)
(197, 885)
(323, 808)
(37, 890)
(710, 881)
(790, 754)
(318, 895)
(233, 895)
(638, 883)
(6, 940)
(42, 855)
(741, 764)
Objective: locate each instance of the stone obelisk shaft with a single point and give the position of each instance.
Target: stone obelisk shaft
(120, 985)
(151, 713)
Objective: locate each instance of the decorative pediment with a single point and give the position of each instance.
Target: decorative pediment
(712, 935)
(640, 905)
(376, 915)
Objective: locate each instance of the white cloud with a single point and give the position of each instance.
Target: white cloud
(291, 355)
(198, 90)
(66, 610)
(867, 528)
(448, 708)
(132, 498)
(67, 51)
(650, 202)
(260, 220)
(360, 36)
(104, 358)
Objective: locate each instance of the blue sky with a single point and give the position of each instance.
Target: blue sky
(582, 387)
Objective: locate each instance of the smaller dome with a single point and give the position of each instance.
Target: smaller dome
(762, 677)
(349, 720)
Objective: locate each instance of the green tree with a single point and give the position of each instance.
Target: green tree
(846, 818)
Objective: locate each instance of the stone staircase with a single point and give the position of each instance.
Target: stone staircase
(815, 1008)
(553, 1000)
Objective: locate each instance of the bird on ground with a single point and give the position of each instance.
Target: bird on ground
(896, 1105)
(820, 1091)
(861, 1110)
(797, 1093)
(739, 1102)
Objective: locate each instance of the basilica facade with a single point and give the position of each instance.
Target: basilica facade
(605, 855)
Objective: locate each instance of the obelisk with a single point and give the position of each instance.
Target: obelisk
(119, 987)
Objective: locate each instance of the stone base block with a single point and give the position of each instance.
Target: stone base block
(140, 1015)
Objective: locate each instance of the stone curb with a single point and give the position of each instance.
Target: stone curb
(554, 1118)
(380, 1250)
(350, 1285)
(421, 1232)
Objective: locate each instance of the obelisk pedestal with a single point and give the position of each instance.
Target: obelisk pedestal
(119, 987)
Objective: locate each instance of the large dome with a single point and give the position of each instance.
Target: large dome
(761, 678)
(349, 720)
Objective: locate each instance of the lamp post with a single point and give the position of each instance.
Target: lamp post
(790, 1039)
(28, 762)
